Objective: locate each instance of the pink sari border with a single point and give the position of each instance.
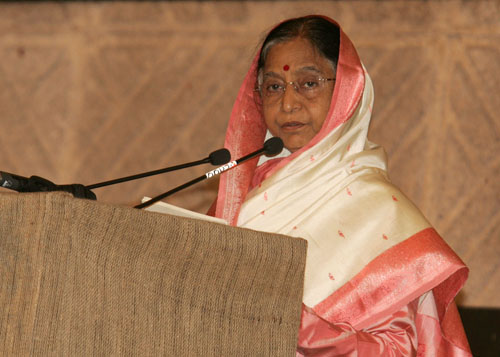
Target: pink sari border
(395, 278)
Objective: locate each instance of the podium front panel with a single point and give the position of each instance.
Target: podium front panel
(80, 277)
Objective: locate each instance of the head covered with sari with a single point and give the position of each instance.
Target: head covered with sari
(247, 128)
(370, 250)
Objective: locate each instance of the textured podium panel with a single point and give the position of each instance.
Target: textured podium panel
(80, 278)
(94, 91)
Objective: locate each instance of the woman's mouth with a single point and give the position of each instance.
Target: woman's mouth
(292, 126)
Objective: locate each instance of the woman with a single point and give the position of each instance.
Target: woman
(379, 280)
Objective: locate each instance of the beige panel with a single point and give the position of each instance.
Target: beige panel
(94, 91)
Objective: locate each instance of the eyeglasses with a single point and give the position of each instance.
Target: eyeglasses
(310, 87)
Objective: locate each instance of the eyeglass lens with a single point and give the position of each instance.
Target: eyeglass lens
(309, 87)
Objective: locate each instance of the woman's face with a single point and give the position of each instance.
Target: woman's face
(295, 118)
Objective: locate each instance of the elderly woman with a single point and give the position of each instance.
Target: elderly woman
(379, 280)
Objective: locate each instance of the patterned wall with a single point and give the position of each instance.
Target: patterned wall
(99, 90)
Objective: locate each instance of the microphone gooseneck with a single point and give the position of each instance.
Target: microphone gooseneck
(39, 184)
(272, 147)
(218, 157)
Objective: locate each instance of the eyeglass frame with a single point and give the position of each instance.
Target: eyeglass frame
(295, 86)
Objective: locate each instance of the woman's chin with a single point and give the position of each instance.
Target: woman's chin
(294, 143)
(292, 147)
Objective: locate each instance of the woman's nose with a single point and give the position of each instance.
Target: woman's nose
(290, 101)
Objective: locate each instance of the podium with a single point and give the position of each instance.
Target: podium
(82, 278)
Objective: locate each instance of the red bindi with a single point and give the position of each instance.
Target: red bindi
(286, 67)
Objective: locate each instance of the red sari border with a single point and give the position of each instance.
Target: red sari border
(395, 278)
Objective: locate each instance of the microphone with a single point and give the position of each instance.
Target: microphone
(218, 157)
(39, 184)
(272, 147)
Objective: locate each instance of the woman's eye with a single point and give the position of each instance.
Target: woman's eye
(309, 84)
(274, 87)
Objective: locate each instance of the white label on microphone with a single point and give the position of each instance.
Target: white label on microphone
(221, 169)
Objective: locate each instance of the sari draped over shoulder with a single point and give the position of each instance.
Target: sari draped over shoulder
(379, 279)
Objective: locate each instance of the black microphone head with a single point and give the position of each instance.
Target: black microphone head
(220, 157)
(273, 146)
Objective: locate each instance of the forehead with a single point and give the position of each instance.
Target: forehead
(297, 54)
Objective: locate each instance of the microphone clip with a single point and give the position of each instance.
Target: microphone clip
(39, 184)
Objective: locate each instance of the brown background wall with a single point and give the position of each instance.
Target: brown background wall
(94, 91)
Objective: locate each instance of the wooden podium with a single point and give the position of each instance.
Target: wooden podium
(81, 278)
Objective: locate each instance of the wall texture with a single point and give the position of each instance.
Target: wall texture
(95, 91)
